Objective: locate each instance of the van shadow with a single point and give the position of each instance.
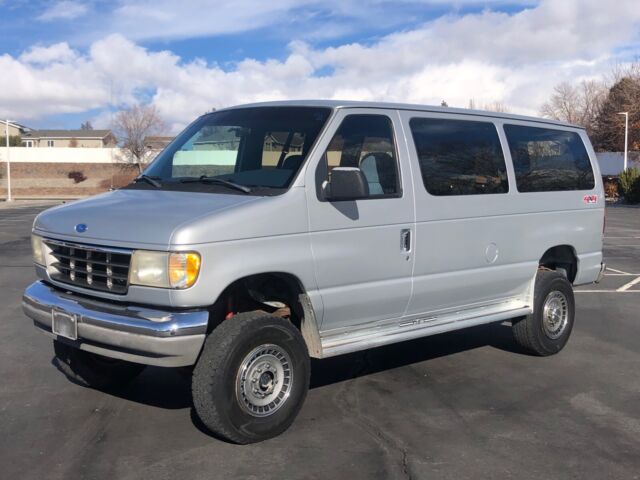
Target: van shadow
(170, 389)
(345, 367)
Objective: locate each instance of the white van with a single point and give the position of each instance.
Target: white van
(266, 234)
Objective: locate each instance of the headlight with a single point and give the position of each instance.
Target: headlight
(37, 249)
(164, 269)
(149, 268)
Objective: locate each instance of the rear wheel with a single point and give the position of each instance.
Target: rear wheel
(93, 370)
(547, 330)
(252, 377)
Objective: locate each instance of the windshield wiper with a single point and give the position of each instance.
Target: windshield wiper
(150, 180)
(218, 181)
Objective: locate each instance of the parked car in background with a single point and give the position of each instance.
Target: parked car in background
(267, 234)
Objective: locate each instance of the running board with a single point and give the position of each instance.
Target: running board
(376, 336)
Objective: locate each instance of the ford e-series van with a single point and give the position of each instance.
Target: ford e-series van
(267, 234)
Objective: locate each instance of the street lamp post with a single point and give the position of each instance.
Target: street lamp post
(626, 136)
(6, 131)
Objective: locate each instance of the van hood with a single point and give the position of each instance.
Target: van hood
(130, 218)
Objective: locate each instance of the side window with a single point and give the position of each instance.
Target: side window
(459, 157)
(548, 160)
(366, 142)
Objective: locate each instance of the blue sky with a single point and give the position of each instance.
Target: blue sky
(25, 23)
(65, 61)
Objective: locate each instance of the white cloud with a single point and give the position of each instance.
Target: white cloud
(64, 10)
(489, 56)
(317, 19)
(58, 52)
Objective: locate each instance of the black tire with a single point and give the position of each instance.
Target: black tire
(217, 384)
(533, 332)
(91, 370)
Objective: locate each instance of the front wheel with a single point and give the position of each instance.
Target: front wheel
(252, 377)
(546, 331)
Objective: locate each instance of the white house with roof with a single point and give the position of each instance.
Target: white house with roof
(15, 129)
(69, 138)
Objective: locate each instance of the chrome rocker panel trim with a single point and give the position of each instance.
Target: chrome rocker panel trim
(138, 334)
(339, 343)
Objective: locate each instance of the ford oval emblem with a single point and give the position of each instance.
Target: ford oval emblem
(81, 228)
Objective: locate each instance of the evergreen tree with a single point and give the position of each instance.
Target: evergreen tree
(609, 130)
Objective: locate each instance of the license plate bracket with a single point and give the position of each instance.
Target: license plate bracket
(64, 324)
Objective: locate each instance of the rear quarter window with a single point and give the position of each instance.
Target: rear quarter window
(548, 160)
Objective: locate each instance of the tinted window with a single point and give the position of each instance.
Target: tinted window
(459, 157)
(282, 148)
(366, 142)
(547, 160)
(262, 147)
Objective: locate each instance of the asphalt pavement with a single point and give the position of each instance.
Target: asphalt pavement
(466, 404)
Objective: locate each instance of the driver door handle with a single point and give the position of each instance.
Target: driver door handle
(405, 240)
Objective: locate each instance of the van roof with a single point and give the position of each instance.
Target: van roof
(400, 106)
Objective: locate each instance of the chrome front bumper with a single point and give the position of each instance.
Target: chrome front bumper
(137, 334)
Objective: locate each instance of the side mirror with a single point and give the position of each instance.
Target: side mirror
(345, 183)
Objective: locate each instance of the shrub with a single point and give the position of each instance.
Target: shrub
(630, 185)
(77, 176)
(14, 140)
(611, 188)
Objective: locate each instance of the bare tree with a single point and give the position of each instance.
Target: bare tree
(86, 125)
(132, 126)
(578, 104)
(495, 106)
(624, 70)
(593, 95)
(563, 105)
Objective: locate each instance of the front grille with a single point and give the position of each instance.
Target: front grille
(95, 268)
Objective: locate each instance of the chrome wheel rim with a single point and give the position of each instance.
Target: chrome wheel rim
(264, 380)
(555, 314)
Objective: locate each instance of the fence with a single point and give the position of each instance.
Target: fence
(612, 163)
(63, 172)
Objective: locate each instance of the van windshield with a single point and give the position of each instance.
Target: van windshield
(244, 151)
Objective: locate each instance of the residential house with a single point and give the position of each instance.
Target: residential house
(157, 142)
(70, 138)
(15, 129)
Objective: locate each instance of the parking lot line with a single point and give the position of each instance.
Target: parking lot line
(606, 291)
(627, 286)
(617, 271)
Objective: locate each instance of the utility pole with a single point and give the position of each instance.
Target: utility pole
(626, 137)
(6, 131)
